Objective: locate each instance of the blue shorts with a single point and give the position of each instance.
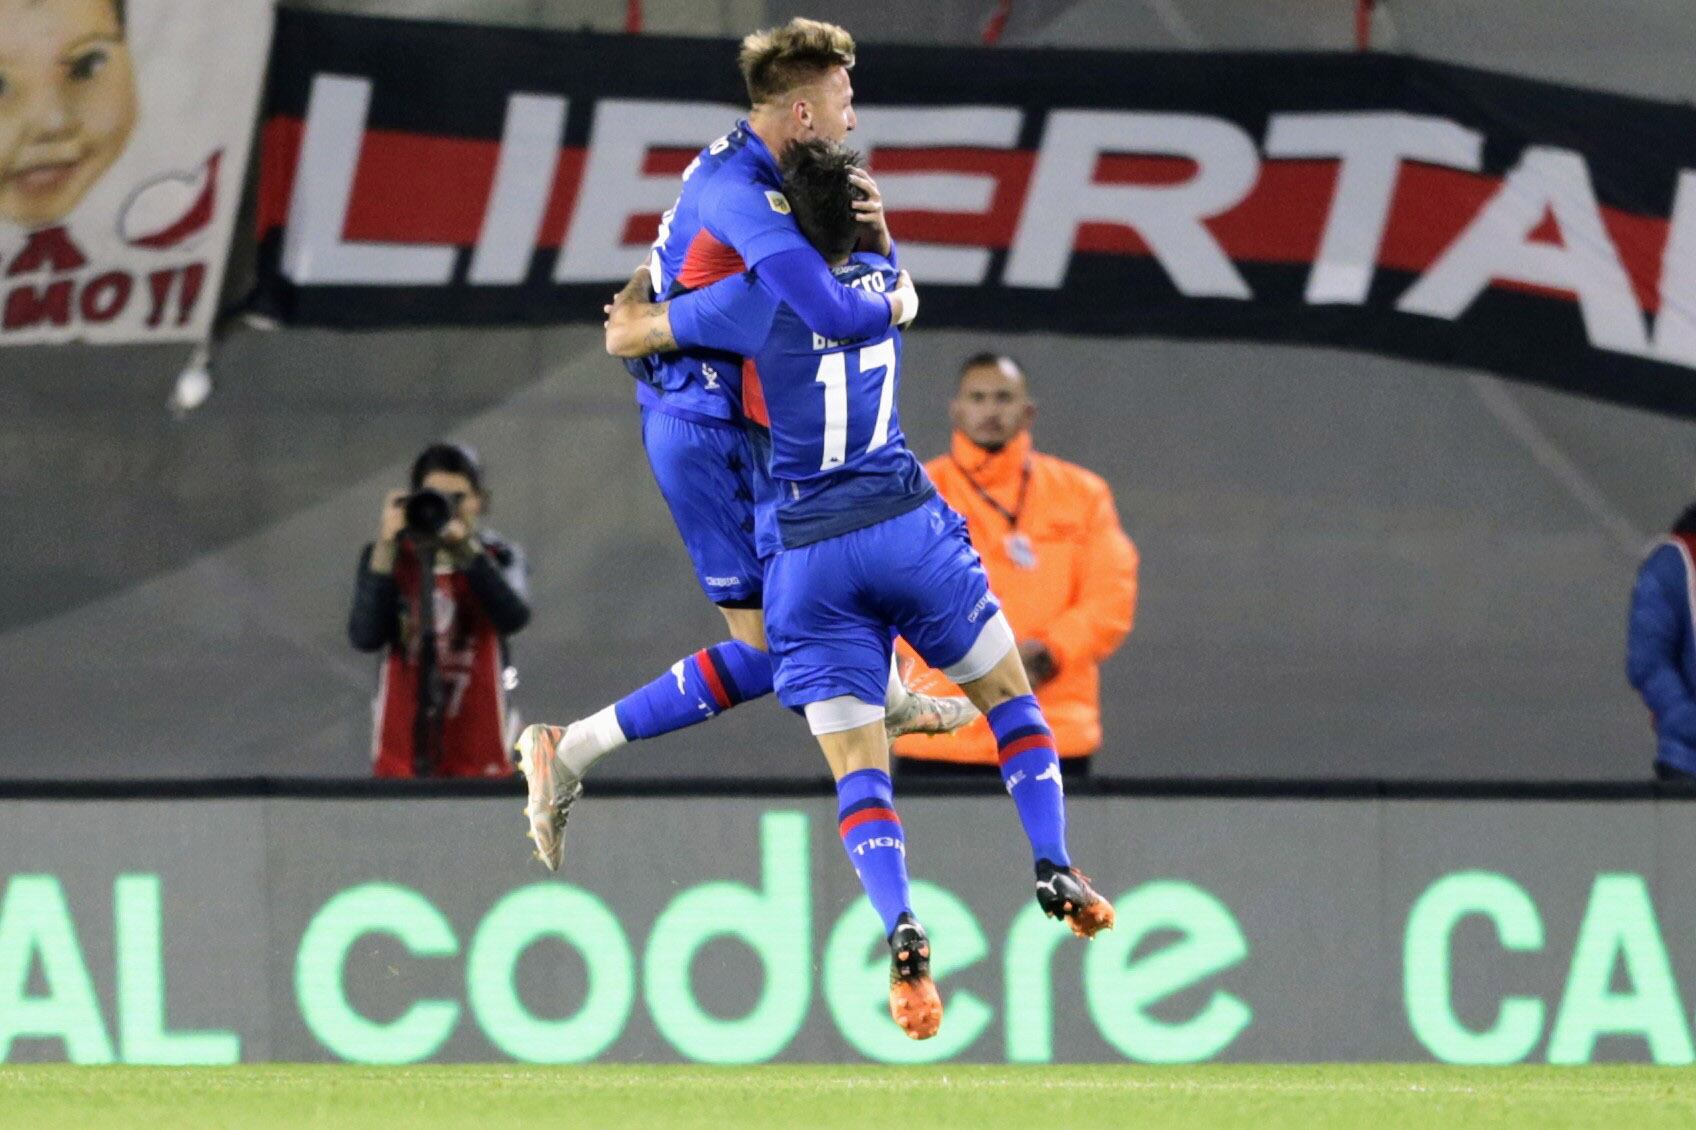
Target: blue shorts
(831, 606)
(708, 477)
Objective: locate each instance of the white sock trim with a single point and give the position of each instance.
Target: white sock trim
(599, 735)
(844, 712)
(609, 735)
(991, 646)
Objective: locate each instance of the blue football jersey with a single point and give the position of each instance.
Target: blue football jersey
(838, 458)
(729, 216)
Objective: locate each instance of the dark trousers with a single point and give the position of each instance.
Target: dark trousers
(1072, 769)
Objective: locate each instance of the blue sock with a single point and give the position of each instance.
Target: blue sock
(697, 688)
(1030, 768)
(871, 835)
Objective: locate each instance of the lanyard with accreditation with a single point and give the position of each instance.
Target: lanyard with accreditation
(1018, 543)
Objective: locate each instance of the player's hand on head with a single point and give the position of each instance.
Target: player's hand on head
(869, 211)
(871, 205)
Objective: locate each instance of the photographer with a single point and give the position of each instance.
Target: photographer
(441, 707)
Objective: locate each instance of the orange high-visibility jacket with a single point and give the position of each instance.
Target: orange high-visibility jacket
(1078, 596)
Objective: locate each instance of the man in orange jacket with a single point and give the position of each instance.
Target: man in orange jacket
(1057, 558)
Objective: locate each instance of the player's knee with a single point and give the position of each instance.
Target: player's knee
(1005, 681)
(850, 733)
(991, 671)
(747, 625)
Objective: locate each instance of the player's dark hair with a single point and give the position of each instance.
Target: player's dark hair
(780, 59)
(986, 359)
(1686, 522)
(453, 458)
(815, 181)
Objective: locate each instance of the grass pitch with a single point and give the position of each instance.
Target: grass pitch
(819, 1098)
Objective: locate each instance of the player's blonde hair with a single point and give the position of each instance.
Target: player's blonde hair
(780, 59)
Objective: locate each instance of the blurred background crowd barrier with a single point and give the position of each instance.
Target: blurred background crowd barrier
(1381, 538)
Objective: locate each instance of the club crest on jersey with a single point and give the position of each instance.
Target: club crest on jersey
(779, 203)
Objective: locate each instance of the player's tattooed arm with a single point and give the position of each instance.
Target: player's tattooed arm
(635, 326)
(638, 288)
(636, 329)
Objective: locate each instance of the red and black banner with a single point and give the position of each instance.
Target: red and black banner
(436, 173)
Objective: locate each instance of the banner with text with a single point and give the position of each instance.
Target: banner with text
(1254, 929)
(124, 135)
(429, 173)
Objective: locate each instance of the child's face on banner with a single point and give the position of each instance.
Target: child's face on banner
(67, 103)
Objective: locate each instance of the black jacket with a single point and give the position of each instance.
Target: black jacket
(497, 576)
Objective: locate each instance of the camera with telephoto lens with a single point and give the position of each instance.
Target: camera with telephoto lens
(428, 511)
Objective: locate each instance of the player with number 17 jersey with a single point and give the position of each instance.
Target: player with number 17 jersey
(840, 466)
(731, 216)
(862, 547)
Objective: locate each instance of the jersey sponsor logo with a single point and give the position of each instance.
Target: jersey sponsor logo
(779, 203)
(977, 609)
(723, 582)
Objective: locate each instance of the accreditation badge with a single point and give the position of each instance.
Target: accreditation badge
(1020, 551)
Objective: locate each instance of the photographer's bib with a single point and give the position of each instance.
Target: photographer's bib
(467, 723)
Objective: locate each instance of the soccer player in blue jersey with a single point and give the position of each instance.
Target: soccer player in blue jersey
(859, 546)
(731, 216)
